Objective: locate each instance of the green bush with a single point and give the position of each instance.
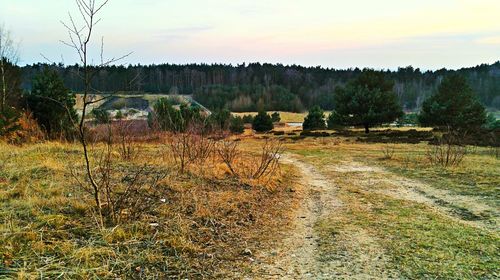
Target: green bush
(236, 125)
(315, 119)
(410, 119)
(248, 119)
(171, 119)
(220, 119)
(262, 122)
(119, 115)
(101, 115)
(276, 117)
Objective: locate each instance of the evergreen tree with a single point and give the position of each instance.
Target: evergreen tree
(315, 119)
(236, 125)
(52, 104)
(334, 121)
(276, 117)
(492, 122)
(262, 122)
(166, 116)
(8, 120)
(10, 95)
(220, 119)
(10, 86)
(454, 105)
(119, 115)
(367, 101)
(247, 119)
(172, 119)
(101, 115)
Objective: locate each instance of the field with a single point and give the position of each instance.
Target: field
(337, 208)
(285, 116)
(203, 223)
(413, 219)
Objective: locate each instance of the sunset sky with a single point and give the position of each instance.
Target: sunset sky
(331, 33)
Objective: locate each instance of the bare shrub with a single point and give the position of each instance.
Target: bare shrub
(494, 152)
(447, 151)
(190, 147)
(265, 164)
(125, 193)
(28, 130)
(406, 161)
(269, 158)
(229, 152)
(127, 147)
(388, 151)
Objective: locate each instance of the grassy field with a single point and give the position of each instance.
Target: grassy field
(399, 216)
(200, 229)
(431, 222)
(285, 116)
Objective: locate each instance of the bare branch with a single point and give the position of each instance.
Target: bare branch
(44, 57)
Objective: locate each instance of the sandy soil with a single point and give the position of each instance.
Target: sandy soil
(356, 254)
(298, 256)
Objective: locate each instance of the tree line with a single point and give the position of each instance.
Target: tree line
(369, 100)
(275, 86)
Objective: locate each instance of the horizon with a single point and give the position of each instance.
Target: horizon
(452, 34)
(246, 64)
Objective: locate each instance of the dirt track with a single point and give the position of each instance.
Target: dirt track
(298, 257)
(355, 254)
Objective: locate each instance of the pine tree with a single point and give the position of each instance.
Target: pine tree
(315, 119)
(455, 105)
(367, 101)
(236, 125)
(52, 104)
(262, 122)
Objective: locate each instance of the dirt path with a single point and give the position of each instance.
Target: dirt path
(299, 256)
(463, 209)
(352, 253)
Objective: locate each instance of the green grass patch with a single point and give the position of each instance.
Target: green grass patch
(421, 243)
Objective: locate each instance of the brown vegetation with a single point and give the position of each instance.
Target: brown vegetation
(157, 222)
(448, 151)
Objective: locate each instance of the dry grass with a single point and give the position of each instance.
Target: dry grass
(428, 237)
(285, 116)
(207, 217)
(202, 225)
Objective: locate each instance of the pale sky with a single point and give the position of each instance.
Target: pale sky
(428, 34)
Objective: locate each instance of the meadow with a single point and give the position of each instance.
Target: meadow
(365, 209)
(197, 224)
(418, 220)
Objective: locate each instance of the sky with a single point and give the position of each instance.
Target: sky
(381, 34)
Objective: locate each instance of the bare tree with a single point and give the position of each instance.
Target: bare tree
(80, 36)
(8, 54)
